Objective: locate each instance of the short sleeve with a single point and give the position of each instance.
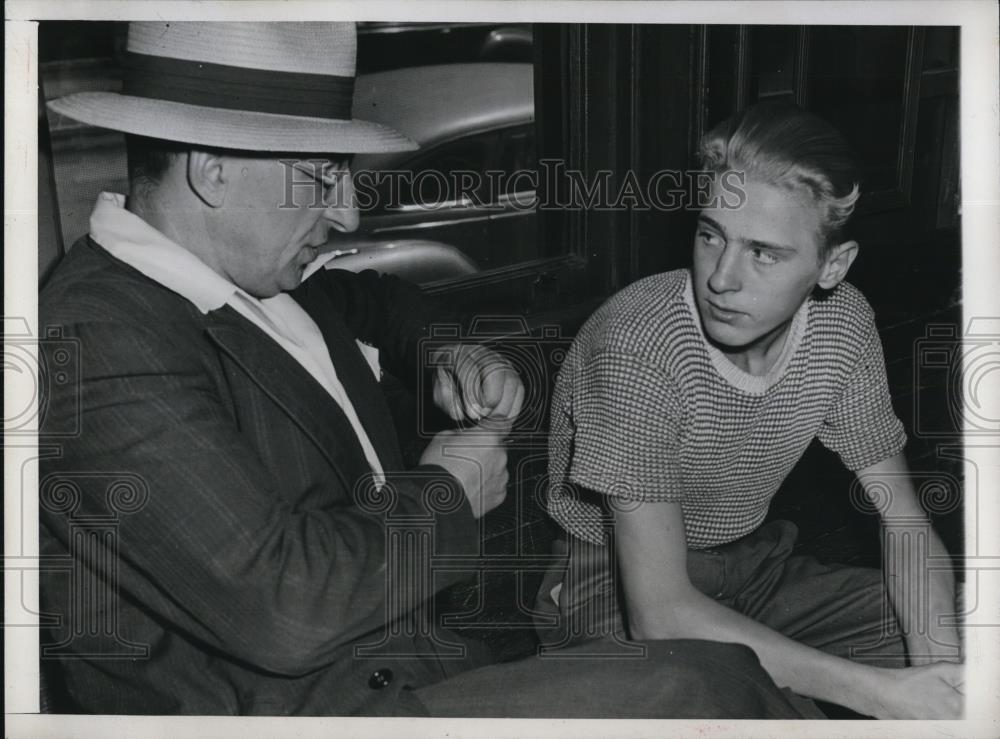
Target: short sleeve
(862, 427)
(626, 415)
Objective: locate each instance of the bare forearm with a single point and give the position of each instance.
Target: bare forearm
(805, 670)
(663, 604)
(921, 587)
(917, 566)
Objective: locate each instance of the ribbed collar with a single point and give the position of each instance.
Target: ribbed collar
(738, 378)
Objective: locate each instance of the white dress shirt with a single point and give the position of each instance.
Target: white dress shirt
(129, 238)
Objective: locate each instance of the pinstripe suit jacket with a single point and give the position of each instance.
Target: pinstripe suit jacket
(232, 570)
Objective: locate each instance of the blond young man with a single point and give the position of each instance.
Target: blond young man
(687, 399)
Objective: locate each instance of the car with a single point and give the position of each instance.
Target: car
(391, 45)
(420, 218)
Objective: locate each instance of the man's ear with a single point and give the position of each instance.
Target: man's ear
(836, 264)
(207, 177)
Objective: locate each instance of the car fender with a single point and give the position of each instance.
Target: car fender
(417, 260)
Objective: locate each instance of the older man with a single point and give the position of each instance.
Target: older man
(235, 440)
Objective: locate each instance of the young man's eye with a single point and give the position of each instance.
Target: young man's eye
(763, 256)
(708, 238)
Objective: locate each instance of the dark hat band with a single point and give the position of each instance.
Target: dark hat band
(237, 88)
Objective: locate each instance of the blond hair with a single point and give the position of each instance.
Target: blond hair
(782, 145)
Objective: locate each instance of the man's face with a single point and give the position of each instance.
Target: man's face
(754, 266)
(275, 217)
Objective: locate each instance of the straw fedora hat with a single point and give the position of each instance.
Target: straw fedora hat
(253, 86)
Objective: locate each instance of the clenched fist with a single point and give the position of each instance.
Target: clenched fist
(474, 383)
(478, 459)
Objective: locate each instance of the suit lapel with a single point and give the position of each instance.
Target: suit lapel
(356, 376)
(291, 387)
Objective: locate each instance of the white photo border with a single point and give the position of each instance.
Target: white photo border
(980, 186)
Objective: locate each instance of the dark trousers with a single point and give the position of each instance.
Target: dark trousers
(587, 668)
(836, 608)
(839, 609)
(682, 678)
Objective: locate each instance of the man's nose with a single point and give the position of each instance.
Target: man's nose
(342, 209)
(726, 275)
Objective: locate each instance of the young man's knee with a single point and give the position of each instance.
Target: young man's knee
(736, 655)
(719, 679)
(696, 661)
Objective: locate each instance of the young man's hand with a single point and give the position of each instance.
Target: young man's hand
(477, 384)
(935, 691)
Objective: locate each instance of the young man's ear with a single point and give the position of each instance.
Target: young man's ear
(207, 177)
(836, 264)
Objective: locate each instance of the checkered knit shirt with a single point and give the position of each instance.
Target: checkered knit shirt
(645, 409)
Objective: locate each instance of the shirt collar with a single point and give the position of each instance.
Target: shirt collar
(753, 384)
(129, 238)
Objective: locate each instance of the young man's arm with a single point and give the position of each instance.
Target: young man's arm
(921, 593)
(661, 603)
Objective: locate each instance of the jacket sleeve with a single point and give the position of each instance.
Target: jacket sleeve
(210, 544)
(382, 310)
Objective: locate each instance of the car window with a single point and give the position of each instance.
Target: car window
(518, 160)
(444, 174)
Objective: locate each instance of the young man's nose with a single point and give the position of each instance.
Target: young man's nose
(726, 277)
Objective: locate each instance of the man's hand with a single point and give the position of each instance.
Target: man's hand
(478, 459)
(935, 691)
(477, 384)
